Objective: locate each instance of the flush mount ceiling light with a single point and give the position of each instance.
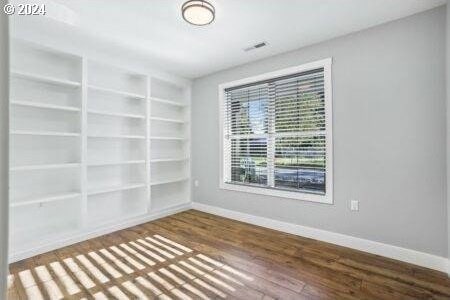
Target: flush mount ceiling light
(198, 12)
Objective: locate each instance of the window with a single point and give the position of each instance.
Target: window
(276, 133)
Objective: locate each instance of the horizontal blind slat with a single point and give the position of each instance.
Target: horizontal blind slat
(286, 115)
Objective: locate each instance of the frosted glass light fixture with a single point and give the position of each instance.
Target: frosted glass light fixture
(198, 12)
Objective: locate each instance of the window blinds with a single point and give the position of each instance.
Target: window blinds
(275, 133)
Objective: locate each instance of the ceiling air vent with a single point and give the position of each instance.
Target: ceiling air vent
(256, 46)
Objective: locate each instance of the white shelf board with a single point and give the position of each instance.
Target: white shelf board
(156, 160)
(166, 181)
(169, 102)
(167, 120)
(168, 138)
(44, 105)
(112, 189)
(117, 92)
(45, 167)
(116, 163)
(46, 133)
(45, 79)
(114, 114)
(105, 136)
(45, 199)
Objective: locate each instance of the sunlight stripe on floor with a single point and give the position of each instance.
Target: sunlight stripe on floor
(148, 252)
(53, 290)
(129, 259)
(100, 296)
(132, 288)
(117, 293)
(192, 268)
(196, 291)
(160, 280)
(104, 265)
(173, 250)
(211, 288)
(43, 273)
(27, 279)
(210, 260)
(172, 276)
(227, 277)
(173, 243)
(138, 255)
(116, 261)
(79, 274)
(66, 280)
(34, 293)
(180, 294)
(92, 269)
(200, 264)
(148, 285)
(159, 250)
(181, 271)
(220, 282)
(237, 273)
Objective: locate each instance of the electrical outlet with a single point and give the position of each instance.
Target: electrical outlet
(354, 205)
(196, 183)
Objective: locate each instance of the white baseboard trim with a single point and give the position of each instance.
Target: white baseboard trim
(407, 255)
(448, 267)
(82, 236)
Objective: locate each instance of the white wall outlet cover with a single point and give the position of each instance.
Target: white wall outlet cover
(354, 205)
(196, 183)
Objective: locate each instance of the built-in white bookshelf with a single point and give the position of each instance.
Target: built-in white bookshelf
(116, 131)
(92, 146)
(169, 144)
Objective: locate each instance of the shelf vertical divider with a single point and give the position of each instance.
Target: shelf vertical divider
(148, 157)
(187, 133)
(83, 139)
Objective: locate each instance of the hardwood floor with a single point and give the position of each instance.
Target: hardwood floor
(194, 255)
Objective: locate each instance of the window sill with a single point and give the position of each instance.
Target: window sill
(326, 199)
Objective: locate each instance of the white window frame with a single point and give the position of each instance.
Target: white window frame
(328, 196)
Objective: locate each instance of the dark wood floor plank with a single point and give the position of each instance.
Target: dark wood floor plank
(271, 272)
(195, 255)
(238, 258)
(398, 271)
(298, 242)
(305, 270)
(297, 272)
(385, 292)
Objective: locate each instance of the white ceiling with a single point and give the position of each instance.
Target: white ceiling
(155, 29)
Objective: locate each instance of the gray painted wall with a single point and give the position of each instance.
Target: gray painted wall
(4, 148)
(389, 136)
(448, 129)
